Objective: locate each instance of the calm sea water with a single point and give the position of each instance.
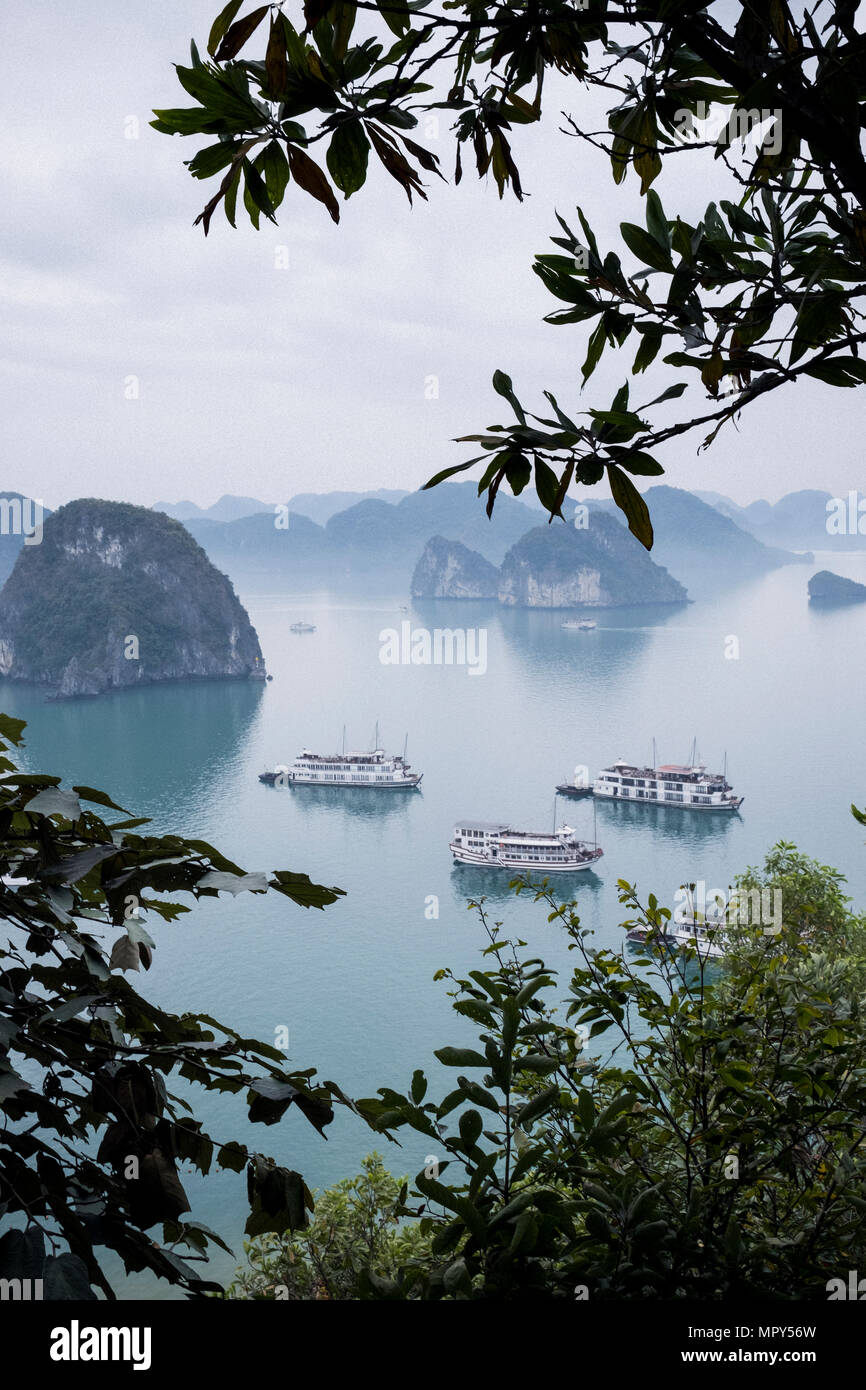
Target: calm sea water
(353, 984)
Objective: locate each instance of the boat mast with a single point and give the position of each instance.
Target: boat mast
(344, 740)
(655, 762)
(405, 746)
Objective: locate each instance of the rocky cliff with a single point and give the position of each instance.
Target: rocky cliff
(448, 569)
(600, 566)
(826, 587)
(117, 595)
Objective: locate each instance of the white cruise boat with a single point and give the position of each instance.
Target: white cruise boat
(378, 769)
(706, 938)
(691, 788)
(492, 845)
(706, 933)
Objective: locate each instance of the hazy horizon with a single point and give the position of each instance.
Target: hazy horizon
(265, 381)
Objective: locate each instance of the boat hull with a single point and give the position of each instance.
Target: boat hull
(477, 860)
(407, 784)
(724, 806)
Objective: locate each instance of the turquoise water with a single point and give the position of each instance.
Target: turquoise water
(353, 984)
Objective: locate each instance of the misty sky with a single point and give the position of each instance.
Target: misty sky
(266, 381)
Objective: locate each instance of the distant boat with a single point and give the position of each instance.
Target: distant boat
(690, 787)
(704, 933)
(491, 845)
(577, 788)
(573, 789)
(378, 769)
(302, 627)
(584, 625)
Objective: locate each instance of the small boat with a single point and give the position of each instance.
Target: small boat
(302, 627)
(492, 845)
(578, 788)
(279, 774)
(689, 928)
(585, 625)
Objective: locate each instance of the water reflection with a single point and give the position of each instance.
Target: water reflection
(469, 882)
(367, 803)
(160, 746)
(689, 828)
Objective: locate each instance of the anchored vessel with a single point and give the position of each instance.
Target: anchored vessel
(578, 788)
(489, 844)
(384, 771)
(671, 784)
(705, 932)
(302, 627)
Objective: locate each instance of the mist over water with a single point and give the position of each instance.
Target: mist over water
(353, 984)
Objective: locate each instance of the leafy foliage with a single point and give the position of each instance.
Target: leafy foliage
(757, 294)
(92, 1136)
(715, 1153)
(354, 1237)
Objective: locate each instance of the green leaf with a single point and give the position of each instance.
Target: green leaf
(539, 1105)
(308, 175)
(276, 64)
(503, 387)
(449, 472)
(257, 190)
(657, 223)
(838, 371)
(237, 35)
(636, 462)
(645, 247)
(276, 171)
(347, 157)
(460, 1057)
(547, 487)
(12, 728)
(220, 26)
(99, 798)
(630, 502)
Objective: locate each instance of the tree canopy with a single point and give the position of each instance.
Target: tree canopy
(92, 1135)
(755, 294)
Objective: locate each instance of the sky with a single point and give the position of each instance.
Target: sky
(140, 361)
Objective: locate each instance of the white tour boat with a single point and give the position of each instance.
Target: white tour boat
(492, 845)
(302, 627)
(689, 787)
(585, 625)
(706, 933)
(378, 769)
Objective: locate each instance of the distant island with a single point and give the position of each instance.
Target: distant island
(552, 566)
(117, 596)
(701, 545)
(826, 587)
(448, 569)
(332, 541)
